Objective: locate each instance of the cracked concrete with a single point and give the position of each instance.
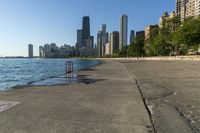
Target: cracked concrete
(110, 104)
(171, 88)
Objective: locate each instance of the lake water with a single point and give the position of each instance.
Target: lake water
(19, 72)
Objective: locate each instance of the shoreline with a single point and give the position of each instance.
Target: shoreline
(74, 79)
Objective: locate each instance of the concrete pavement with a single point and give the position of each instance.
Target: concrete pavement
(171, 88)
(110, 102)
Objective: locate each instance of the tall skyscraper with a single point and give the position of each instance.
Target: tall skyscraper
(99, 43)
(102, 39)
(123, 31)
(30, 50)
(79, 38)
(114, 42)
(132, 36)
(85, 30)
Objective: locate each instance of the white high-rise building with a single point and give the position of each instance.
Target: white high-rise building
(123, 31)
(197, 7)
(187, 8)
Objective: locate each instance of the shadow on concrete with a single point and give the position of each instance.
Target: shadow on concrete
(86, 80)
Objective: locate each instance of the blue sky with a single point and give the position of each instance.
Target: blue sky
(45, 21)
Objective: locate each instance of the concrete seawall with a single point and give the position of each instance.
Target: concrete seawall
(165, 58)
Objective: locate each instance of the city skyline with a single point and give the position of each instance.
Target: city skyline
(58, 22)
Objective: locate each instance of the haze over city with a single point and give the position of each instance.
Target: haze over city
(47, 21)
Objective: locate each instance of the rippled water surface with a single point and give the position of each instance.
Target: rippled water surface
(16, 72)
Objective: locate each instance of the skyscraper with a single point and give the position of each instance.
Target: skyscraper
(79, 37)
(132, 36)
(114, 42)
(30, 50)
(85, 30)
(102, 39)
(99, 43)
(123, 31)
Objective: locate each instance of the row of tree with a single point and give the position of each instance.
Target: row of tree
(174, 38)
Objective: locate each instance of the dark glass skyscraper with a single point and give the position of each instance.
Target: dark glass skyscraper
(86, 28)
(132, 36)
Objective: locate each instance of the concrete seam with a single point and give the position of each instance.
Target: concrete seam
(144, 100)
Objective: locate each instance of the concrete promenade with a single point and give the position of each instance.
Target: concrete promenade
(110, 102)
(172, 91)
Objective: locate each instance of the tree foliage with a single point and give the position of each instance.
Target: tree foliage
(188, 34)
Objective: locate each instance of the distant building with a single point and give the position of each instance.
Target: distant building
(85, 30)
(99, 43)
(90, 42)
(114, 42)
(123, 31)
(107, 49)
(53, 48)
(132, 36)
(41, 52)
(151, 31)
(165, 18)
(85, 42)
(47, 51)
(140, 35)
(30, 50)
(102, 39)
(79, 38)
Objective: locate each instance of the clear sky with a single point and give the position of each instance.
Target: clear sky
(46, 21)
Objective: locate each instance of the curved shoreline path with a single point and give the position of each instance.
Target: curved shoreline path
(108, 102)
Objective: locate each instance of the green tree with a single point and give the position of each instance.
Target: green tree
(122, 52)
(188, 34)
(153, 34)
(161, 46)
(140, 44)
(133, 50)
